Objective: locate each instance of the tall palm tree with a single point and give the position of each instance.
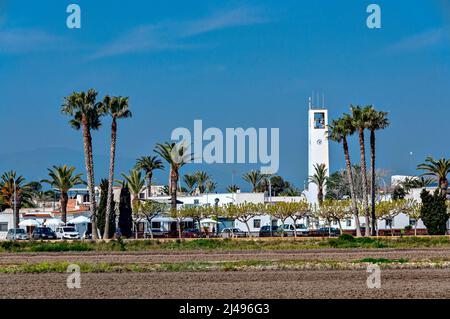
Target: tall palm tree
(254, 178)
(360, 117)
(377, 120)
(176, 157)
(437, 168)
(117, 108)
(202, 178)
(136, 183)
(319, 178)
(10, 185)
(86, 114)
(339, 131)
(149, 164)
(62, 178)
(190, 181)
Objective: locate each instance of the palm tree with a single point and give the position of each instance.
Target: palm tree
(437, 168)
(136, 183)
(15, 193)
(176, 157)
(339, 131)
(62, 179)
(190, 181)
(86, 113)
(232, 189)
(377, 121)
(254, 178)
(210, 186)
(117, 108)
(202, 178)
(320, 179)
(149, 164)
(360, 117)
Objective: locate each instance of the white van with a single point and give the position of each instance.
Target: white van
(67, 233)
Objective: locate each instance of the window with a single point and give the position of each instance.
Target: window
(319, 120)
(196, 201)
(389, 223)
(156, 225)
(257, 223)
(412, 222)
(142, 196)
(349, 223)
(3, 227)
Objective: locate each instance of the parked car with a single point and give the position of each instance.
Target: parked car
(67, 233)
(289, 231)
(155, 232)
(191, 233)
(267, 231)
(17, 234)
(327, 231)
(232, 233)
(43, 233)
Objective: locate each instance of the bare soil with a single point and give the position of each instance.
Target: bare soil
(418, 283)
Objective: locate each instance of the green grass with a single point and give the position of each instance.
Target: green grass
(247, 265)
(343, 242)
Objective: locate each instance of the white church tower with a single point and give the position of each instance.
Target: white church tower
(318, 152)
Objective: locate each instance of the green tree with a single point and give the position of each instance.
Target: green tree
(149, 164)
(254, 179)
(190, 181)
(438, 169)
(360, 118)
(117, 108)
(377, 121)
(125, 211)
(202, 178)
(63, 178)
(233, 188)
(176, 156)
(102, 215)
(10, 185)
(150, 209)
(320, 179)
(136, 183)
(86, 113)
(434, 212)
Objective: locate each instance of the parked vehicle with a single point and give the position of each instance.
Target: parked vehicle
(288, 230)
(191, 233)
(155, 232)
(43, 233)
(232, 233)
(17, 234)
(67, 233)
(267, 231)
(327, 231)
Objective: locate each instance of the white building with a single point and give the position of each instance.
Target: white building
(318, 146)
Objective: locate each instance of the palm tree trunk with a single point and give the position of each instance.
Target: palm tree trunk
(149, 185)
(89, 163)
(173, 187)
(16, 207)
(111, 177)
(352, 187)
(320, 195)
(364, 180)
(372, 166)
(64, 200)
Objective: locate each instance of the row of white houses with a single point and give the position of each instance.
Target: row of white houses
(78, 206)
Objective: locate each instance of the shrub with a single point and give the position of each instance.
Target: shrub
(434, 212)
(346, 237)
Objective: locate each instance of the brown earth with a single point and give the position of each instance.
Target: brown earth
(177, 256)
(417, 283)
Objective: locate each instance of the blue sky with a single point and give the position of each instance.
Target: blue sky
(231, 64)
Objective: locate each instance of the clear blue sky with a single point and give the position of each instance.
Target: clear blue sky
(231, 64)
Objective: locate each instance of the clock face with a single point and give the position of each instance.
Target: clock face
(319, 142)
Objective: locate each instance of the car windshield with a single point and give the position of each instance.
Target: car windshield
(46, 231)
(69, 229)
(19, 231)
(301, 226)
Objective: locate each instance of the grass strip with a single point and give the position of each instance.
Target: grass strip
(247, 265)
